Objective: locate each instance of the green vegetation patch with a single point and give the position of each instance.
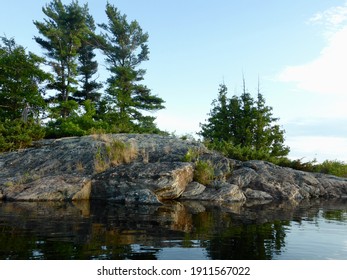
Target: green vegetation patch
(17, 134)
(204, 172)
(192, 155)
(333, 167)
(114, 153)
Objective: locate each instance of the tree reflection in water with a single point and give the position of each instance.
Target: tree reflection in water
(99, 230)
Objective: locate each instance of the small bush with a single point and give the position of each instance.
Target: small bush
(17, 134)
(333, 167)
(204, 172)
(63, 128)
(187, 137)
(120, 152)
(114, 153)
(100, 162)
(96, 131)
(239, 152)
(192, 155)
(298, 164)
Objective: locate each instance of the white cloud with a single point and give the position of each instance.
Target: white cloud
(327, 73)
(318, 147)
(332, 18)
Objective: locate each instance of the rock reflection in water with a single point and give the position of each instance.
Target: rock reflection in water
(177, 230)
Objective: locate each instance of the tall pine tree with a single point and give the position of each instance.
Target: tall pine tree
(64, 31)
(88, 67)
(125, 47)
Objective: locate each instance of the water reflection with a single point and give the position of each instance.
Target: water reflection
(180, 230)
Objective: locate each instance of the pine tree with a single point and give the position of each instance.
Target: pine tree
(88, 67)
(219, 121)
(244, 126)
(125, 47)
(63, 31)
(245, 121)
(21, 102)
(21, 82)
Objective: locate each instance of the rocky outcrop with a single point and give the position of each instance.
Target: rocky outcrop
(219, 192)
(149, 169)
(121, 167)
(266, 181)
(143, 182)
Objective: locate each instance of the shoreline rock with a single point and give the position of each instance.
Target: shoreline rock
(146, 168)
(161, 180)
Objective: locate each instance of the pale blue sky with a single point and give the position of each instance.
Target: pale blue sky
(296, 47)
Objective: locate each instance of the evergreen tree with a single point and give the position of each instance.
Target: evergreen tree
(125, 47)
(244, 126)
(21, 102)
(88, 67)
(245, 121)
(63, 31)
(21, 82)
(219, 121)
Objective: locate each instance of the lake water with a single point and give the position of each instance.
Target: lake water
(175, 231)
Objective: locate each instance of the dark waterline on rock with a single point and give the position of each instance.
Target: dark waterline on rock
(178, 230)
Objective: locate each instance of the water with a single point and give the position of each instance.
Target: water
(189, 230)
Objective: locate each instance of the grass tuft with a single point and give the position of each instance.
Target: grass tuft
(114, 153)
(204, 172)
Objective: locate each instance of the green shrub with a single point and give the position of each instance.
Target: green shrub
(17, 134)
(187, 137)
(238, 152)
(298, 164)
(63, 128)
(333, 167)
(76, 124)
(204, 172)
(191, 155)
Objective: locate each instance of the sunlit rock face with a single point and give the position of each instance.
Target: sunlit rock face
(137, 181)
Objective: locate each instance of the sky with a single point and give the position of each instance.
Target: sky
(295, 48)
